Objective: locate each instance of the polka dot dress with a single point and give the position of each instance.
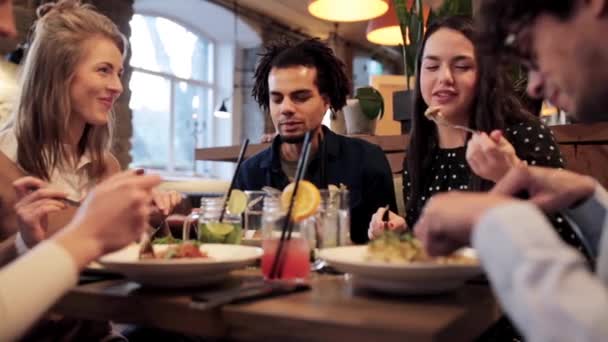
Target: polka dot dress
(533, 142)
(448, 171)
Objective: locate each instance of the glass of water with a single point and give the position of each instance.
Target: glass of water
(332, 223)
(253, 214)
(344, 218)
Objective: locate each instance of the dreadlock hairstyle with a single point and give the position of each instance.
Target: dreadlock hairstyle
(498, 20)
(495, 106)
(331, 81)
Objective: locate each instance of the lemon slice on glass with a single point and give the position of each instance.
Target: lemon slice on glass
(219, 228)
(237, 202)
(306, 202)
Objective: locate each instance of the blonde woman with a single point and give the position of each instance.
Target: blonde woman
(62, 126)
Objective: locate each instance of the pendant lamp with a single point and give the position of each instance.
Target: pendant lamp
(347, 10)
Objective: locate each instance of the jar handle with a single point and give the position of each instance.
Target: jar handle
(190, 219)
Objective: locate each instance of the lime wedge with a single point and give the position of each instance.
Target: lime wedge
(237, 202)
(219, 228)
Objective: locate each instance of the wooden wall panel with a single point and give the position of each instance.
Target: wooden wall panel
(591, 160)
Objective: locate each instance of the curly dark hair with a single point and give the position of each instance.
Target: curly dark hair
(331, 81)
(498, 19)
(496, 106)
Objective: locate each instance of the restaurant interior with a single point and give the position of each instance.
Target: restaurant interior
(185, 114)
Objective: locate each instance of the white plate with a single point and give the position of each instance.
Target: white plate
(181, 272)
(399, 278)
(96, 267)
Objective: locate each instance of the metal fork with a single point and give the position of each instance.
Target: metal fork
(440, 120)
(145, 247)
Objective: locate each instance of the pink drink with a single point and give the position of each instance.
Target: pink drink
(295, 258)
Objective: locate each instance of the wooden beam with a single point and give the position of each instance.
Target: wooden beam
(388, 143)
(581, 133)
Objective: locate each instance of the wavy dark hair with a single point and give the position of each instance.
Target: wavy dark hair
(499, 18)
(495, 106)
(331, 81)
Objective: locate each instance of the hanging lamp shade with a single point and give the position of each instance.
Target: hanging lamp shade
(385, 29)
(347, 10)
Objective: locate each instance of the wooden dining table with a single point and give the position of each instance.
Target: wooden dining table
(333, 309)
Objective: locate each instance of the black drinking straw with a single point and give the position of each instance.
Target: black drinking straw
(323, 167)
(277, 265)
(239, 161)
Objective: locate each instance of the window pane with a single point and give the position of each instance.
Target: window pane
(161, 45)
(191, 110)
(150, 102)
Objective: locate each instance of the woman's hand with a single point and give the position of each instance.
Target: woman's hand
(114, 214)
(34, 202)
(377, 226)
(491, 156)
(166, 201)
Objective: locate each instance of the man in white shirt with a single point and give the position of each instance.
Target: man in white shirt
(544, 285)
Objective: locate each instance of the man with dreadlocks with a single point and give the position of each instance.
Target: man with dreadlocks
(297, 83)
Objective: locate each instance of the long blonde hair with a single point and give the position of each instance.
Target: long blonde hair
(43, 111)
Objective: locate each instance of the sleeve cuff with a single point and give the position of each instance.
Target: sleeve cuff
(590, 216)
(598, 198)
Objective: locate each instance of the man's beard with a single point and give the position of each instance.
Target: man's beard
(592, 100)
(592, 105)
(298, 139)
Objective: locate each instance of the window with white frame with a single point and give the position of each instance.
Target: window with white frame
(172, 91)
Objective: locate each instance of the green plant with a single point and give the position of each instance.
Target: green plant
(411, 21)
(452, 7)
(371, 102)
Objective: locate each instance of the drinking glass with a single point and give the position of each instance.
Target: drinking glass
(294, 263)
(253, 213)
(333, 219)
(209, 227)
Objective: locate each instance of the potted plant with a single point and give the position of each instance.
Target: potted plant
(363, 111)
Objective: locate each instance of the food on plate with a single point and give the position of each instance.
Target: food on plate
(181, 250)
(433, 113)
(166, 240)
(392, 247)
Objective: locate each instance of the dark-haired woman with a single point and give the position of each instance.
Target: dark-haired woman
(451, 77)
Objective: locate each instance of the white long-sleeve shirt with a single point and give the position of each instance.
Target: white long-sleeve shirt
(543, 284)
(31, 284)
